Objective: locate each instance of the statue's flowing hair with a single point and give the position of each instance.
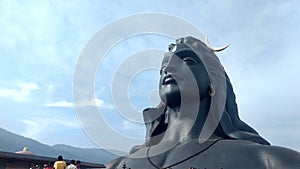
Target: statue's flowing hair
(231, 126)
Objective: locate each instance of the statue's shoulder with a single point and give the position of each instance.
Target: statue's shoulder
(222, 154)
(233, 154)
(279, 156)
(259, 149)
(266, 156)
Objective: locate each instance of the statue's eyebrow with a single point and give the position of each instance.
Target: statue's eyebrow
(188, 53)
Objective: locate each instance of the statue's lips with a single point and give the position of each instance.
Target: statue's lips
(169, 80)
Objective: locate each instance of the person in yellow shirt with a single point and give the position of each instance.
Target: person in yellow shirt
(60, 163)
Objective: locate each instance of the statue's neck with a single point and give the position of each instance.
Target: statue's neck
(186, 122)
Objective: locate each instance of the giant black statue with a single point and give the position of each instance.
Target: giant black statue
(197, 123)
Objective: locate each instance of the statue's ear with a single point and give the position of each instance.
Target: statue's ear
(213, 81)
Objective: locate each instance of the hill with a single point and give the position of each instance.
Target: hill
(11, 142)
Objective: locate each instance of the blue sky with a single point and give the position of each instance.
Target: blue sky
(42, 40)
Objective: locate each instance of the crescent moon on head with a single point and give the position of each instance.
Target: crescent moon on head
(215, 49)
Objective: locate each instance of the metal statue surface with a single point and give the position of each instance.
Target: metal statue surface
(197, 123)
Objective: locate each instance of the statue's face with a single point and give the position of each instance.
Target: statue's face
(178, 67)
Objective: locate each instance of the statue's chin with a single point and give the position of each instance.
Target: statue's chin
(170, 95)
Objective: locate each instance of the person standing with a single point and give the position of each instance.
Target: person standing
(60, 163)
(72, 165)
(49, 165)
(78, 164)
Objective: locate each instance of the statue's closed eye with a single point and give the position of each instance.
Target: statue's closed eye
(189, 60)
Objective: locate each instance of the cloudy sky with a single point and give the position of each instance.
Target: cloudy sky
(41, 42)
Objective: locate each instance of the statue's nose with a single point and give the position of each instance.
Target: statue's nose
(169, 68)
(172, 63)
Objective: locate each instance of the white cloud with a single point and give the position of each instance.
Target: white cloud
(127, 125)
(39, 127)
(59, 104)
(93, 102)
(20, 93)
(29, 123)
(32, 129)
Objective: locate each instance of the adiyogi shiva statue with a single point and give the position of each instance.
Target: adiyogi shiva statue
(197, 123)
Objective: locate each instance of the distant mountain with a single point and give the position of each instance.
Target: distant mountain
(85, 154)
(11, 142)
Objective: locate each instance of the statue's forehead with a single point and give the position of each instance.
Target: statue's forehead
(180, 55)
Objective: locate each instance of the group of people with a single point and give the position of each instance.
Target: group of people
(46, 166)
(59, 164)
